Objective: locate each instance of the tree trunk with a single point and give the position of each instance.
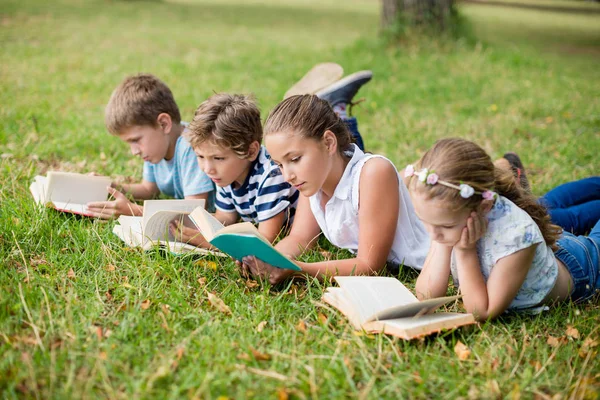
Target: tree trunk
(417, 12)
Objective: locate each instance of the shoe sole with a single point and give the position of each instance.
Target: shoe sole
(357, 76)
(320, 76)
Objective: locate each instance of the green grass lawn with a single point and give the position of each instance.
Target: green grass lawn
(81, 316)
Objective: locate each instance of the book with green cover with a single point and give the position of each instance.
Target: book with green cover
(239, 240)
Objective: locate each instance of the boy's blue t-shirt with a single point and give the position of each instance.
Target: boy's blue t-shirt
(180, 176)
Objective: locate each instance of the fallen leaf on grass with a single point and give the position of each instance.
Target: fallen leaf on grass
(589, 343)
(108, 296)
(218, 303)
(98, 330)
(462, 351)
(301, 326)
(587, 346)
(326, 254)
(261, 326)
(282, 394)
(180, 351)
(145, 304)
(572, 332)
(536, 364)
(493, 388)
(110, 268)
(417, 377)
(206, 264)
(554, 341)
(202, 281)
(71, 274)
(251, 284)
(37, 260)
(322, 318)
(258, 356)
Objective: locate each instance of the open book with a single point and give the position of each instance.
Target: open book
(239, 240)
(382, 304)
(152, 228)
(68, 191)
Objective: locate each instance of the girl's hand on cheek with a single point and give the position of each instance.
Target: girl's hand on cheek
(475, 229)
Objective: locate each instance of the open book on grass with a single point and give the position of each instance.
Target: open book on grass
(239, 240)
(68, 191)
(152, 228)
(383, 304)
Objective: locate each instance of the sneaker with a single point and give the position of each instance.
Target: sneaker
(344, 90)
(319, 77)
(518, 170)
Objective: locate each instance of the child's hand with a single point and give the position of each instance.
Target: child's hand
(186, 234)
(113, 208)
(262, 270)
(475, 229)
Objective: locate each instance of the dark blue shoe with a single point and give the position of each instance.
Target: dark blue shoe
(344, 90)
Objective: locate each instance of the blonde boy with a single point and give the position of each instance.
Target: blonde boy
(142, 112)
(226, 133)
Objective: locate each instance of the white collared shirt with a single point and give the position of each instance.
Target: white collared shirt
(339, 219)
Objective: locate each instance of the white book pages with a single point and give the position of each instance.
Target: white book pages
(373, 294)
(72, 188)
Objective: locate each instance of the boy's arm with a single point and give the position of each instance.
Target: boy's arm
(145, 190)
(198, 196)
(225, 217)
(271, 228)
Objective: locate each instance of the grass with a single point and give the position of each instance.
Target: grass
(83, 317)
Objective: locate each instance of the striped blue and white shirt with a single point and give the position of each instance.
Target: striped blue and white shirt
(263, 195)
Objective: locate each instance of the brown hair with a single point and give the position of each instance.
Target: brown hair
(308, 116)
(138, 101)
(459, 161)
(229, 120)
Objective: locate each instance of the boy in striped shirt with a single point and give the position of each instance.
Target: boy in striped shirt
(225, 134)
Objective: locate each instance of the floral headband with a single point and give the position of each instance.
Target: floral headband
(431, 178)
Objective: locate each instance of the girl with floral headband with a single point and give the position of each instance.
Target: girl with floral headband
(357, 200)
(494, 238)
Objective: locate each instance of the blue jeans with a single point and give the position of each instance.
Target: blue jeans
(574, 206)
(581, 255)
(352, 126)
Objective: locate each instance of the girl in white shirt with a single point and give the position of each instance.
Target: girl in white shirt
(358, 201)
(494, 239)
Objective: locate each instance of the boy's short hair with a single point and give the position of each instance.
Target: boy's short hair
(138, 101)
(228, 120)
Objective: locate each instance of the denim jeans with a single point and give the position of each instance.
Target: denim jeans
(574, 206)
(581, 255)
(352, 126)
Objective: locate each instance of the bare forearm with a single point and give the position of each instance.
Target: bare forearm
(433, 279)
(472, 283)
(138, 191)
(293, 246)
(350, 266)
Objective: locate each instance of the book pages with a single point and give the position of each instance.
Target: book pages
(410, 328)
(206, 223)
(373, 294)
(72, 188)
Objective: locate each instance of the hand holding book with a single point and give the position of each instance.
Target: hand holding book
(114, 208)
